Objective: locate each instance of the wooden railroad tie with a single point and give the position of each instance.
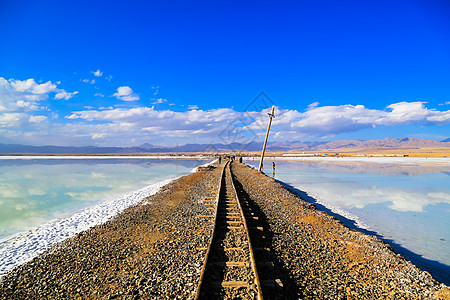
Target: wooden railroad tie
(233, 249)
(232, 217)
(232, 227)
(234, 222)
(231, 284)
(232, 264)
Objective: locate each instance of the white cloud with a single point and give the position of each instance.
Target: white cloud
(31, 86)
(321, 121)
(156, 88)
(25, 95)
(125, 93)
(144, 122)
(65, 95)
(312, 105)
(97, 73)
(19, 101)
(37, 119)
(11, 120)
(97, 136)
(159, 101)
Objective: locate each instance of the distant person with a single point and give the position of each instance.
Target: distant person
(240, 159)
(273, 166)
(220, 160)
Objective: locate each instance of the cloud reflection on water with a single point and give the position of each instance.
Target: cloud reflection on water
(408, 204)
(33, 192)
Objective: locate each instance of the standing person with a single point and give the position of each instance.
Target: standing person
(220, 160)
(273, 169)
(240, 159)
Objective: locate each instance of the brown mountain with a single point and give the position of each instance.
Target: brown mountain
(411, 142)
(280, 146)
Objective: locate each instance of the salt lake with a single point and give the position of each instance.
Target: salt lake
(46, 200)
(404, 201)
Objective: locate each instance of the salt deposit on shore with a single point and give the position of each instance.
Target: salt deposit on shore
(22, 248)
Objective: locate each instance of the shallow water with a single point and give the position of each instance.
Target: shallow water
(406, 204)
(36, 191)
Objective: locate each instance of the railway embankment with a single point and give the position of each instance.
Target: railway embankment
(157, 249)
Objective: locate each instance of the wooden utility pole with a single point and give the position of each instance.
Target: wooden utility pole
(271, 115)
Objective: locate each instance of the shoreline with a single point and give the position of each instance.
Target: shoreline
(350, 159)
(373, 159)
(60, 156)
(22, 247)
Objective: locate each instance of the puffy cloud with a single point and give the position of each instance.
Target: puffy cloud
(24, 95)
(120, 126)
(125, 93)
(88, 81)
(322, 121)
(159, 101)
(97, 73)
(208, 125)
(147, 121)
(406, 113)
(31, 86)
(19, 100)
(65, 95)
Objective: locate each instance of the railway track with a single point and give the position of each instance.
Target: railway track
(230, 270)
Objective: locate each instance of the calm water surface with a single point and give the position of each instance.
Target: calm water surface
(408, 205)
(36, 191)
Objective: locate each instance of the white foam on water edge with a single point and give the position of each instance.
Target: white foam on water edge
(22, 248)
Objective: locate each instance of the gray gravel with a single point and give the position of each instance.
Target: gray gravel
(327, 260)
(148, 251)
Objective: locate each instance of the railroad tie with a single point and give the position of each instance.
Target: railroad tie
(232, 264)
(231, 284)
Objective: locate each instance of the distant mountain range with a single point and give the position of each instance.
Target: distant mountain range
(284, 146)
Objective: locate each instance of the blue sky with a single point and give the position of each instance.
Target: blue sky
(124, 73)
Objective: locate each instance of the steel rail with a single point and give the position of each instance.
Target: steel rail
(245, 231)
(252, 256)
(212, 235)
